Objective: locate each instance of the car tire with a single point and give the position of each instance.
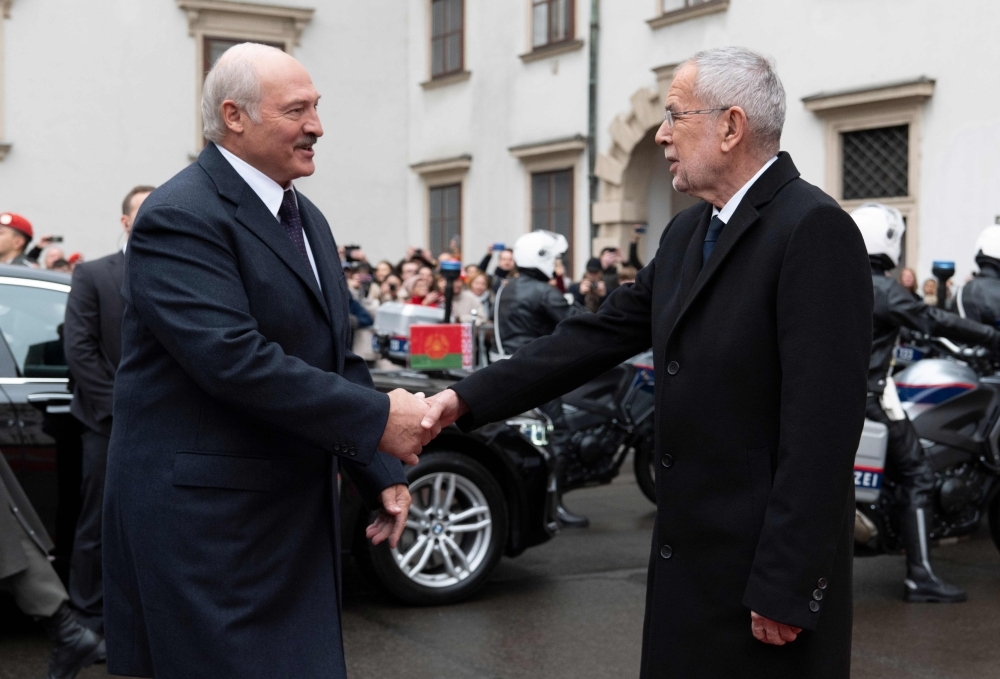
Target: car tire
(644, 458)
(432, 572)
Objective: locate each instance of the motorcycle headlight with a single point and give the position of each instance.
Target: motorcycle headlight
(535, 429)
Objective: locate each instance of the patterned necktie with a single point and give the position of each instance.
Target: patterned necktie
(714, 231)
(290, 218)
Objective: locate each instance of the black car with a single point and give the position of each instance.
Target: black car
(476, 496)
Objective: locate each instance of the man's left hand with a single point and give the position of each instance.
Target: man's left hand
(391, 519)
(771, 632)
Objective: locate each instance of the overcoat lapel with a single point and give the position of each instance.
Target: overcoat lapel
(254, 215)
(745, 217)
(331, 275)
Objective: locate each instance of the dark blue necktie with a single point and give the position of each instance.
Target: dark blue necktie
(714, 231)
(290, 218)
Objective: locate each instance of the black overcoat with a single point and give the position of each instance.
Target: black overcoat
(235, 400)
(760, 359)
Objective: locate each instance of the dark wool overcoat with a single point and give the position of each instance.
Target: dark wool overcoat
(761, 357)
(236, 401)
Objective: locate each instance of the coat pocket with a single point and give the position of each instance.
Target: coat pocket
(215, 470)
(759, 469)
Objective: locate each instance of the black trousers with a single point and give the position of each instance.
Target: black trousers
(86, 588)
(906, 462)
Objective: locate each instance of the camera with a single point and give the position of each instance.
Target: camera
(349, 251)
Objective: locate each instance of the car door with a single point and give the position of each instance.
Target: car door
(36, 430)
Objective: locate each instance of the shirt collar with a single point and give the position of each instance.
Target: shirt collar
(729, 208)
(269, 191)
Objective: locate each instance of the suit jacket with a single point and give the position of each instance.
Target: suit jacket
(236, 401)
(760, 361)
(92, 336)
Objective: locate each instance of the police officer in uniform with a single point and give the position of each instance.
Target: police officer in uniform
(25, 572)
(979, 299)
(529, 307)
(906, 464)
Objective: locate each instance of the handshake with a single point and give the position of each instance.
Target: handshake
(414, 421)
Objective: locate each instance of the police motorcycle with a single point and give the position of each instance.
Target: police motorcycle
(953, 400)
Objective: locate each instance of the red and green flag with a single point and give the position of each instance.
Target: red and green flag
(440, 346)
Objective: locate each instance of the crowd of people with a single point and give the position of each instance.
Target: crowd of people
(417, 279)
(16, 234)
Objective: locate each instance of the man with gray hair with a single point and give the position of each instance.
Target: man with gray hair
(238, 401)
(758, 307)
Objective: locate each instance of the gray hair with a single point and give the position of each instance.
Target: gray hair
(235, 78)
(737, 76)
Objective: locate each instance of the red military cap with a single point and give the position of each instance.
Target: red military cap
(18, 223)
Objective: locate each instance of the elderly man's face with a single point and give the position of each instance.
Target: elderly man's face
(692, 146)
(281, 145)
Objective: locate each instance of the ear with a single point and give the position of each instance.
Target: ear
(232, 116)
(125, 224)
(734, 124)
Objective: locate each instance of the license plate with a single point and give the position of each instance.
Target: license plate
(904, 353)
(399, 345)
(867, 478)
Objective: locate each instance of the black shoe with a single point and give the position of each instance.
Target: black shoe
(924, 587)
(74, 647)
(921, 585)
(568, 519)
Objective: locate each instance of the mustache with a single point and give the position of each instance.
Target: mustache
(307, 140)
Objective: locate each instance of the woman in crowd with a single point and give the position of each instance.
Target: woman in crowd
(908, 279)
(479, 285)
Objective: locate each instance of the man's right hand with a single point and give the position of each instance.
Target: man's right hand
(404, 437)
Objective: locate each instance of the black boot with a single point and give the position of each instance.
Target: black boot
(74, 647)
(921, 585)
(568, 519)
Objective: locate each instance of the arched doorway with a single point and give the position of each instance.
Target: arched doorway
(635, 180)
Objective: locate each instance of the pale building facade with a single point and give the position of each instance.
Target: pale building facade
(459, 123)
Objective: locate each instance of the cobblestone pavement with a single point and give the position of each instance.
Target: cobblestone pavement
(573, 609)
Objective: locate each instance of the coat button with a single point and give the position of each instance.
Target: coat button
(667, 461)
(336, 447)
(818, 595)
(666, 552)
(353, 452)
(822, 583)
(673, 368)
(814, 606)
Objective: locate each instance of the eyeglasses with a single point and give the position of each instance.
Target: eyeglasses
(670, 117)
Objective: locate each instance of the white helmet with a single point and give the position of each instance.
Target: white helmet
(539, 250)
(989, 242)
(882, 228)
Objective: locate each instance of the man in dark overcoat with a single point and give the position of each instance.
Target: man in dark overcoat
(236, 403)
(758, 307)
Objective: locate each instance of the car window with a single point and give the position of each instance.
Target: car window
(31, 320)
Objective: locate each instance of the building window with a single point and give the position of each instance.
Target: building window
(447, 37)
(445, 232)
(876, 163)
(676, 11)
(552, 206)
(552, 22)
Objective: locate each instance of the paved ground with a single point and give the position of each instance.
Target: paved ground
(573, 608)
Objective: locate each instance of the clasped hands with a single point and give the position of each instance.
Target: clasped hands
(413, 422)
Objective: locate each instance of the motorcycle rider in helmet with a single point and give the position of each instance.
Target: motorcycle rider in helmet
(529, 307)
(979, 299)
(906, 464)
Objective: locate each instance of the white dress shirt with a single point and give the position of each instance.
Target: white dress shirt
(729, 208)
(270, 193)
